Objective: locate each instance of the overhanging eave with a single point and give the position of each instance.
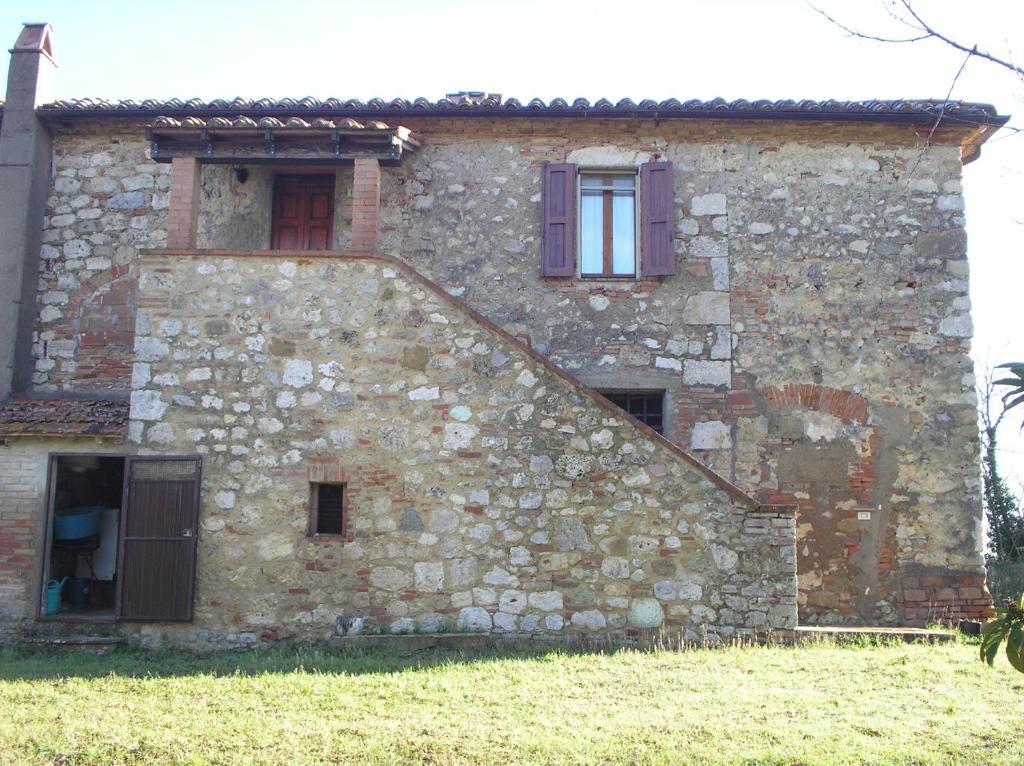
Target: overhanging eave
(270, 141)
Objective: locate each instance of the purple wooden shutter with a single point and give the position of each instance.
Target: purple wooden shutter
(657, 214)
(558, 199)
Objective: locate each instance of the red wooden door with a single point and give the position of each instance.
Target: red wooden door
(303, 213)
(156, 580)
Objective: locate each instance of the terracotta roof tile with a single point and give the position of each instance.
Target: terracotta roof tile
(249, 123)
(106, 419)
(899, 110)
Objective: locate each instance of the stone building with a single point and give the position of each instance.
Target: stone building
(331, 366)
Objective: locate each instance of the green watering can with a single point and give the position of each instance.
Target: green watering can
(53, 589)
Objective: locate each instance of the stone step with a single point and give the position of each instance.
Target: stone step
(89, 644)
(811, 633)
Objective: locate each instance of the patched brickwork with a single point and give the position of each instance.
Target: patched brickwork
(108, 199)
(20, 489)
(487, 490)
(939, 597)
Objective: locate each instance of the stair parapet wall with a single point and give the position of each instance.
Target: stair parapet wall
(486, 489)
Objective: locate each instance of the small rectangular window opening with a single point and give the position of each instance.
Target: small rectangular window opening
(646, 406)
(328, 509)
(607, 224)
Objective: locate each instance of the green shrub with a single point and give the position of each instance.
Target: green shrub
(1008, 626)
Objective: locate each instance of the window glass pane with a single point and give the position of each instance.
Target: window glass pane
(590, 181)
(623, 233)
(591, 232)
(623, 182)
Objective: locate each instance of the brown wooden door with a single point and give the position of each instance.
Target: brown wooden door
(303, 213)
(156, 580)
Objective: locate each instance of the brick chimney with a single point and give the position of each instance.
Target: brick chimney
(25, 157)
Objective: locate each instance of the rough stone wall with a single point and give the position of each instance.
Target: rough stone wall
(107, 201)
(486, 490)
(828, 257)
(853, 334)
(818, 264)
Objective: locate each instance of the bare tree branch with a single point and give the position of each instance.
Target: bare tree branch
(942, 113)
(863, 35)
(926, 32)
(973, 50)
(986, 397)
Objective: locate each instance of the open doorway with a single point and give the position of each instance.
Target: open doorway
(85, 518)
(121, 537)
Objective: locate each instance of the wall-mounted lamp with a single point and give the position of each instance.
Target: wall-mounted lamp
(242, 174)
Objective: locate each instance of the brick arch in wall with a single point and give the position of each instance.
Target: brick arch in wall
(913, 595)
(101, 320)
(846, 406)
(845, 564)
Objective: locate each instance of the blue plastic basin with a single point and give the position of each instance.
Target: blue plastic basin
(76, 523)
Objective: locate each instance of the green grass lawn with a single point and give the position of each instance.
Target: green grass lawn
(817, 704)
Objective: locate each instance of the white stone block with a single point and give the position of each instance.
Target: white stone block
(429, 576)
(512, 601)
(645, 613)
(725, 558)
(709, 204)
(615, 567)
(147, 405)
(697, 372)
(298, 373)
(546, 601)
(499, 576)
(709, 247)
(459, 435)
(554, 622)
(590, 619)
(720, 273)
(390, 579)
(425, 394)
(707, 308)
(150, 349)
(527, 378)
(473, 618)
(722, 347)
(957, 326)
(504, 622)
(711, 434)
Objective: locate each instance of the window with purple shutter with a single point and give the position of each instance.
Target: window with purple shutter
(657, 213)
(559, 204)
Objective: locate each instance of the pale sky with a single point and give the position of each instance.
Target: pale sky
(592, 48)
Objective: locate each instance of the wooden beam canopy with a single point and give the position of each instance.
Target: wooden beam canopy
(295, 141)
